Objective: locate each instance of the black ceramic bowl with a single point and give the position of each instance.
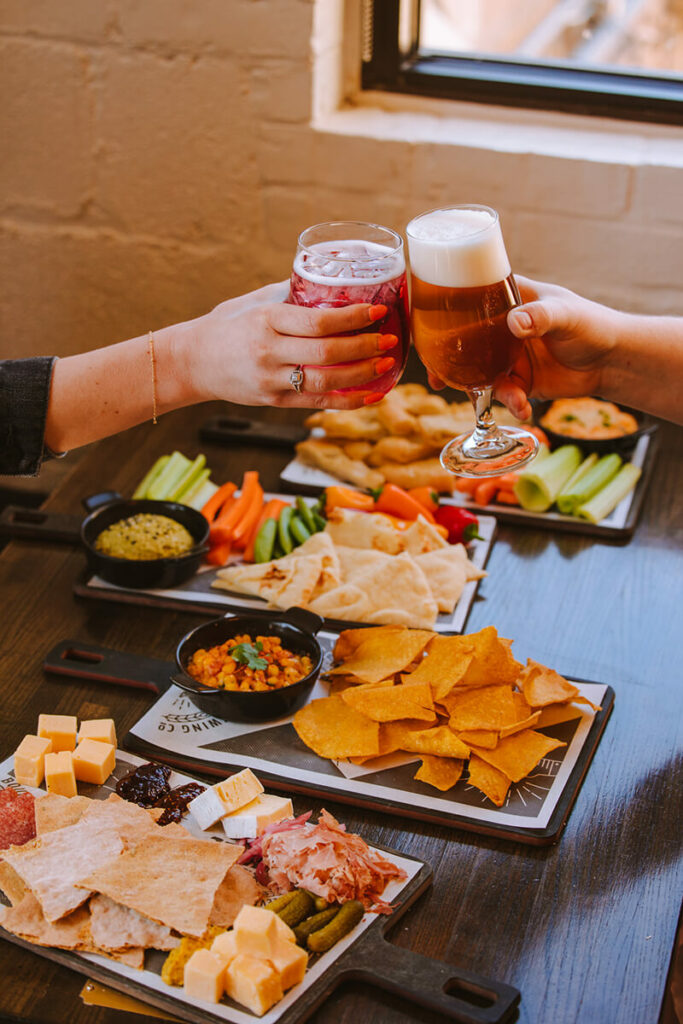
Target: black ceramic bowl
(295, 627)
(622, 445)
(105, 509)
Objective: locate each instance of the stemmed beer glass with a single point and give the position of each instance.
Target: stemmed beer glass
(462, 291)
(341, 263)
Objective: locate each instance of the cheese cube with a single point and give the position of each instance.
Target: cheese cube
(94, 761)
(59, 773)
(282, 931)
(61, 729)
(239, 790)
(254, 983)
(207, 808)
(250, 821)
(290, 961)
(256, 931)
(29, 760)
(224, 947)
(102, 729)
(205, 976)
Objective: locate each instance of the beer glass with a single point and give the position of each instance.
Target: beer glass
(462, 291)
(344, 262)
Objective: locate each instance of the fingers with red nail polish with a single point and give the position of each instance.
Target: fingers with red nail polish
(386, 341)
(377, 312)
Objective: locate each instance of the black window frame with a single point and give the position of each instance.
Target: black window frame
(506, 82)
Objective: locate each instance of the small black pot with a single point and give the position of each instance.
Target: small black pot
(295, 627)
(621, 445)
(109, 507)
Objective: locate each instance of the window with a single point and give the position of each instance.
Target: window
(610, 58)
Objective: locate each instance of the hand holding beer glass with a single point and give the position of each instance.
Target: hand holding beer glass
(462, 291)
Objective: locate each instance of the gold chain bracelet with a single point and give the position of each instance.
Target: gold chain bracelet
(150, 341)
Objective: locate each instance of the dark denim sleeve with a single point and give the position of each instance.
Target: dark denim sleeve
(24, 393)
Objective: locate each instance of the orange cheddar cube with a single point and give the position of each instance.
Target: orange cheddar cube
(29, 760)
(224, 947)
(290, 961)
(256, 931)
(254, 983)
(102, 729)
(205, 976)
(94, 761)
(59, 773)
(61, 729)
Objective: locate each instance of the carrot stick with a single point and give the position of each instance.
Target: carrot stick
(483, 495)
(224, 525)
(248, 521)
(218, 554)
(216, 501)
(507, 497)
(467, 485)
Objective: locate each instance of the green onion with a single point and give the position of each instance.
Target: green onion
(149, 478)
(573, 481)
(593, 481)
(607, 499)
(539, 486)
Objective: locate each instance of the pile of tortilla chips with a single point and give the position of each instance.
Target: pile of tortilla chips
(450, 699)
(397, 440)
(102, 877)
(364, 569)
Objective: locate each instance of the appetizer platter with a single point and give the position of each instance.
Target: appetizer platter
(450, 729)
(595, 483)
(94, 875)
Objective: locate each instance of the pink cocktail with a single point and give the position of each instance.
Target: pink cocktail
(348, 262)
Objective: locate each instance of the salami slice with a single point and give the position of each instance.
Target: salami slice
(17, 818)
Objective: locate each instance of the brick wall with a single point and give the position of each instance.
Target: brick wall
(158, 156)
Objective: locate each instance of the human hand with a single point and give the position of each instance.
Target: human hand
(246, 349)
(567, 342)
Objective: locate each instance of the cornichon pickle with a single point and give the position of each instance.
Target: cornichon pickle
(340, 925)
(280, 902)
(311, 924)
(297, 909)
(319, 902)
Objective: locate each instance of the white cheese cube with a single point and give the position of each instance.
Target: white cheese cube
(250, 821)
(207, 808)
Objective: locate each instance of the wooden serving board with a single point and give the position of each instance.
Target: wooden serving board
(364, 955)
(174, 730)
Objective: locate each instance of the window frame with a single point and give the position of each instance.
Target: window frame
(507, 82)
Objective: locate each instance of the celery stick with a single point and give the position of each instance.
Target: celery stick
(188, 478)
(607, 499)
(195, 487)
(166, 482)
(594, 480)
(568, 488)
(200, 497)
(149, 478)
(538, 487)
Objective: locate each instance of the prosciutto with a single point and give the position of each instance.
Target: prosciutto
(330, 862)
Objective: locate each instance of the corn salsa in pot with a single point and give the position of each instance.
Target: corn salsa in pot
(248, 665)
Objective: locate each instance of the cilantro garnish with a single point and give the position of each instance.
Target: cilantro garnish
(248, 654)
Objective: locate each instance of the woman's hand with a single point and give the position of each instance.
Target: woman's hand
(246, 349)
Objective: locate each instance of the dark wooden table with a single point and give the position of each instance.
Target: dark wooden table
(584, 929)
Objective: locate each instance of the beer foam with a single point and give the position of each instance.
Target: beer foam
(349, 262)
(457, 248)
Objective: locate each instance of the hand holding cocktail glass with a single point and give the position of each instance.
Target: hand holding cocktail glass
(462, 291)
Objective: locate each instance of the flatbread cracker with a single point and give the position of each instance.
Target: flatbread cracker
(115, 927)
(238, 888)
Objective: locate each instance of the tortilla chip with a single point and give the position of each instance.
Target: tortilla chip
(421, 537)
(115, 927)
(391, 703)
(367, 530)
(333, 729)
(446, 661)
(493, 662)
(446, 574)
(238, 888)
(525, 723)
(331, 459)
(517, 755)
(485, 707)
(412, 737)
(140, 878)
(542, 685)
(440, 772)
(375, 654)
(493, 783)
(479, 738)
(11, 884)
(54, 811)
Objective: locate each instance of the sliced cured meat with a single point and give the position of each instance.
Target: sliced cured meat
(17, 818)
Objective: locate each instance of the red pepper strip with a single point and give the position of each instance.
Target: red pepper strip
(223, 527)
(398, 502)
(346, 497)
(219, 553)
(462, 525)
(271, 510)
(217, 500)
(249, 519)
(427, 496)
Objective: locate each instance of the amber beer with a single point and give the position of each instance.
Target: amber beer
(462, 291)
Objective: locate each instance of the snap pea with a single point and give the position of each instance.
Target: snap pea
(265, 541)
(311, 924)
(280, 902)
(283, 529)
(298, 530)
(277, 548)
(297, 909)
(340, 925)
(306, 514)
(319, 521)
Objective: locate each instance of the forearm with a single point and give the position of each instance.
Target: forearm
(99, 393)
(645, 366)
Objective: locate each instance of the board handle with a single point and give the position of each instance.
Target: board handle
(457, 994)
(227, 429)
(34, 524)
(82, 660)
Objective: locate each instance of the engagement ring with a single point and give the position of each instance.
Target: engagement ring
(296, 379)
